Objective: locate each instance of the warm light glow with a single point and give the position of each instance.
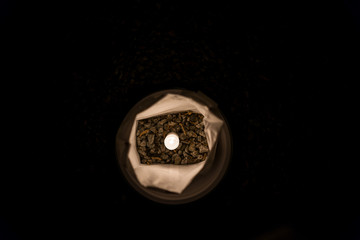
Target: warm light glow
(171, 141)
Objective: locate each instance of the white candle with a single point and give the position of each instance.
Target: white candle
(171, 141)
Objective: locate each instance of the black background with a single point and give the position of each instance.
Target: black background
(282, 73)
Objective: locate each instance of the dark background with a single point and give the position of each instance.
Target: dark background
(282, 73)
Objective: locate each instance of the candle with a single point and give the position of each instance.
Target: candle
(171, 141)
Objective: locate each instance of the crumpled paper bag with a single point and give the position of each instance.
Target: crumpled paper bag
(170, 177)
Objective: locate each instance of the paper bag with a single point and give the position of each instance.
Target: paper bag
(171, 177)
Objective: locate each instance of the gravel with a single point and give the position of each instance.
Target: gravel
(189, 126)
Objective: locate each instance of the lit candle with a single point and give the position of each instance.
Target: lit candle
(171, 141)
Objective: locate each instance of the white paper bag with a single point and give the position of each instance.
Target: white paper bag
(170, 177)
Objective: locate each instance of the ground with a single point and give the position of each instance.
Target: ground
(280, 73)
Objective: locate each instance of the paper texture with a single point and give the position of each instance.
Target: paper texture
(170, 177)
